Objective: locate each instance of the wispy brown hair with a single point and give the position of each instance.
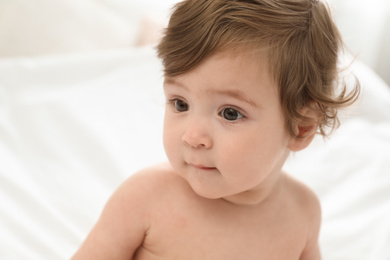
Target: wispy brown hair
(300, 38)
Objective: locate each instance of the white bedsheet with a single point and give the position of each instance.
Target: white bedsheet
(72, 128)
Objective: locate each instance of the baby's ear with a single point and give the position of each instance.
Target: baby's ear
(305, 131)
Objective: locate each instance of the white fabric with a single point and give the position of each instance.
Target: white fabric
(71, 130)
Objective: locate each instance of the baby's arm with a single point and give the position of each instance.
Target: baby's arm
(121, 227)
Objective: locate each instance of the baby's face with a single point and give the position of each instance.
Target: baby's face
(224, 126)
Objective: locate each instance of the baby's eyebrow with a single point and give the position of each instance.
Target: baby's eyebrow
(173, 82)
(234, 93)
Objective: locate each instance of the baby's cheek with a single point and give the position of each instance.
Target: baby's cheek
(233, 155)
(171, 144)
(167, 141)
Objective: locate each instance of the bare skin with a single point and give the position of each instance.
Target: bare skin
(172, 222)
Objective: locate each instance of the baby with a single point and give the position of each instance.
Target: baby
(247, 82)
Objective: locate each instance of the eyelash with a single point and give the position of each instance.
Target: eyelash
(241, 114)
(173, 101)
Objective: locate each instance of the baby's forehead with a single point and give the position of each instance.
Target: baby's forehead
(230, 72)
(235, 50)
(256, 59)
(241, 58)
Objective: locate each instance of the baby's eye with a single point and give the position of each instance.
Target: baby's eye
(180, 105)
(231, 114)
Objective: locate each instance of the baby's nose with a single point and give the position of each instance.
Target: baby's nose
(197, 135)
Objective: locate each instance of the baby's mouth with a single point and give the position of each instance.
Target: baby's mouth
(202, 167)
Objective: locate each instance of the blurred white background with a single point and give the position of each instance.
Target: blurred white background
(365, 26)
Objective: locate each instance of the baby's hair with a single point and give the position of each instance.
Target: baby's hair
(298, 37)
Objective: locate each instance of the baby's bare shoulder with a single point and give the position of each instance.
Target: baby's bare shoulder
(308, 209)
(148, 178)
(125, 219)
(303, 197)
(152, 183)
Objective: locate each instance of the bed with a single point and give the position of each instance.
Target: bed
(78, 118)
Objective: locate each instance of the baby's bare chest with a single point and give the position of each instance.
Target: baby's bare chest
(215, 234)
